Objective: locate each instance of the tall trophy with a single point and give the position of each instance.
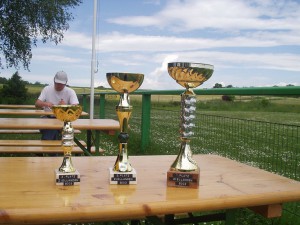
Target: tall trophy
(124, 83)
(66, 174)
(184, 172)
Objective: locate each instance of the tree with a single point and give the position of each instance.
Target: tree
(23, 22)
(217, 85)
(15, 91)
(3, 80)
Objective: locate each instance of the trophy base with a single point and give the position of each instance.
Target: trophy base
(122, 178)
(188, 179)
(67, 179)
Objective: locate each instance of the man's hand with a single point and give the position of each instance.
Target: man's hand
(62, 102)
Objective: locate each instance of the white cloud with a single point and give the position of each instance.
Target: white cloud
(57, 58)
(158, 71)
(223, 15)
(122, 42)
(77, 40)
(279, 61)
(153, 79)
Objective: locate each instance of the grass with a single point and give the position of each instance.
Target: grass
(257, 132)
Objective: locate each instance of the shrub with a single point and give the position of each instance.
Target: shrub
(15, 91)
(265, 102)
(229, 98)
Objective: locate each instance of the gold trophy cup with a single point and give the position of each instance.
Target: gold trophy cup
(184, 171)
(124, 83)
(67, 175)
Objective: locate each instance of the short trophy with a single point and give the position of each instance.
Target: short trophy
(124, 83)
(184, 171)
(67, 175)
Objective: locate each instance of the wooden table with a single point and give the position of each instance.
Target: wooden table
(30, 112)
(28, 193)
(97, 125)
(11, 106)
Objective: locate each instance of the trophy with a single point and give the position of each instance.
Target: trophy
(184, 172)
(124, 83)
(67, 175)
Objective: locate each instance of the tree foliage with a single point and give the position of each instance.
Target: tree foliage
(23, 23)
(3, 80)
(15, 91)
(217, 85)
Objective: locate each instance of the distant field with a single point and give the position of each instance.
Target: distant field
(280, 109)
(204, 98)
(79, 90)
(33, 89)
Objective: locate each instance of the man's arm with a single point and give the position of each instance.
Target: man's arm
(73, 97)
(41, 104)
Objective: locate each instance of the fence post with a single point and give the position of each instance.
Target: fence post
(84, 102)
(145, 130)
(102, 106)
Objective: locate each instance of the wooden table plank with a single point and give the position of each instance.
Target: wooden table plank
(46, 123)
(30, 112)
(12, 106)
(28, 193)
(106, 125)
(29, 143)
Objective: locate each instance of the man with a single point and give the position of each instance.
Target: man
(57, 94)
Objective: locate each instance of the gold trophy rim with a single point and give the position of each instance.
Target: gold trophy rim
(191, 65)
(78, 110)
(119, 75)
(191, 80)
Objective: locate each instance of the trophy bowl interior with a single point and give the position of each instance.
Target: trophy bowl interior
(190, 75)
(67, 113)
(125, 82)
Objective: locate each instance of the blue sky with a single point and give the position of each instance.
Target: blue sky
(250, 43)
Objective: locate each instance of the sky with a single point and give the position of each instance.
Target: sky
(249, 42)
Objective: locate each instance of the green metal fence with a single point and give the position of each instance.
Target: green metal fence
(270, 146)
(274, 147)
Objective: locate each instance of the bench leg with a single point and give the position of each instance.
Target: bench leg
(97, 142)
(231, 216)
(89, 140)
(86, 152)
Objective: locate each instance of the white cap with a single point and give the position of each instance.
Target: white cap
(61, 77)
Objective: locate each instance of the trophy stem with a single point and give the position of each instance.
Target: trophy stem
(123, 110)
(184, 161)
(122, 163)
(67, 145)
(67, 165)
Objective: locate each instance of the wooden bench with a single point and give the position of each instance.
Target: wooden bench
(37, 147)
(12, 131)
